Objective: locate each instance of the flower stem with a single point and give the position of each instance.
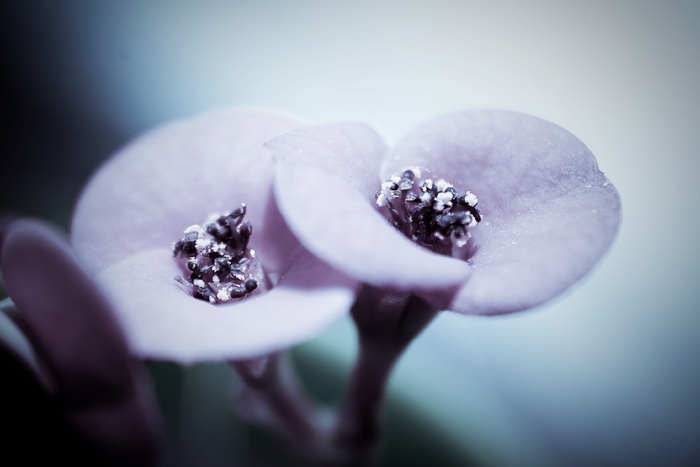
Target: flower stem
(386, 324)
(271, 397)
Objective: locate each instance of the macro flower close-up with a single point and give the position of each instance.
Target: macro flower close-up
(181, 230)
(369, 233)
(481, 212)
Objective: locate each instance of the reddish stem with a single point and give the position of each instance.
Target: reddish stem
(386, 324)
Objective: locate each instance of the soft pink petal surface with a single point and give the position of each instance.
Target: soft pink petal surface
(549, 213)
(163, 321)
(173, 177)
(72, 327)
(325, 184)
(140, 202)
(71, 323)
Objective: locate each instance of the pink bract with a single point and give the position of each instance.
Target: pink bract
(72, 328)
(141, 200)
(549, 212)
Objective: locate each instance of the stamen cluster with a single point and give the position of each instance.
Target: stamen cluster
(222, 267)
(435, 215)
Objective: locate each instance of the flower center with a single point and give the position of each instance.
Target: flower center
(432, 214)
(221, 266)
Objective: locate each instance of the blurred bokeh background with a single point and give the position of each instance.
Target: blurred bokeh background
(606, 375)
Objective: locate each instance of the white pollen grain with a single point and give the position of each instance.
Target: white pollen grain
(223, 295)
(470, 198)
(442, 185)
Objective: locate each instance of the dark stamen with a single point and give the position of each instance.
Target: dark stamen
(432, 214)
(221, 265)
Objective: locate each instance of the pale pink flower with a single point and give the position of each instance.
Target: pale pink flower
(140, 202)
(549, 213)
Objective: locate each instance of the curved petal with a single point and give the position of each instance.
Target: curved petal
(164, 322)
(350, 151)
(173, 177)
(73, 329)
(15, 344)
(549, 213)
(66, 315)
(325, 183)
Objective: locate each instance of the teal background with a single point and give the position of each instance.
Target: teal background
(606, 374)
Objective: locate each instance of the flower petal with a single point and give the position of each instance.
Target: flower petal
(74, 332)
(325, 183)
(173, 177)
(162, 321)
(549, 213)
(17, 347)
(71, 324)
